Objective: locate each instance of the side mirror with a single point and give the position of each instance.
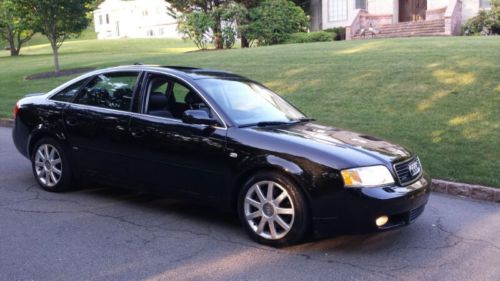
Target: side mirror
(198, 116)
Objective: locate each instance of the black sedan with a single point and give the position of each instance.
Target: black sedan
(223, 140)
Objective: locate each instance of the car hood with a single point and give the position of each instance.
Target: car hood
(354, 148)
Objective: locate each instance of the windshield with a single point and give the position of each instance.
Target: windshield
(248, 103)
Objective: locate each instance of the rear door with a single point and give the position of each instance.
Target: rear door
(171, 155)
(97, 125)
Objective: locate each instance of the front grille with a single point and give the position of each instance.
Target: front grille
(408, 171)
(415, 213)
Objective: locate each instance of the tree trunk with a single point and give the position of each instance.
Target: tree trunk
(244, 42)
(55, 50)
(218, 43)
(12, 45)
(14, 52)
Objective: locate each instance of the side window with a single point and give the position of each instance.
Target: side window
(168, 98)
(184, 98)
(180, 92)
(70, 92)
(158, 97)
(111, 90)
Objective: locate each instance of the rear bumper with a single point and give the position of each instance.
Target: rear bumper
(361, 207)
(20, 135)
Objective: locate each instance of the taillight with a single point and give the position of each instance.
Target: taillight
(16, 110)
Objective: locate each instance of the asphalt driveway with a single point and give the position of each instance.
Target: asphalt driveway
(109, 234)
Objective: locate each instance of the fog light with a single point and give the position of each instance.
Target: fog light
(381, 221)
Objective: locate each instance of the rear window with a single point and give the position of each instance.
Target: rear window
(70, 92)
(110, 90)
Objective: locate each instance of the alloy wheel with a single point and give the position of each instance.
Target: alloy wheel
(48, 165)
(269, 210)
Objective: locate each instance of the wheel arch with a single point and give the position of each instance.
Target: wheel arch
(41, 132)
(276, 164)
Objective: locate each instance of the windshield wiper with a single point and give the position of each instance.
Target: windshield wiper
(265, 123)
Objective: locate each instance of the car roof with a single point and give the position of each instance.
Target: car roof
(191, 72)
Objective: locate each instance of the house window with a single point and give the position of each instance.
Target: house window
(485, 4)
(361, 4)
(145, 13)
(100, 19)
(337, 10)
(107, 19)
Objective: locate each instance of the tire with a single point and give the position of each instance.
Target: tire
(279, 222)
(50, 165)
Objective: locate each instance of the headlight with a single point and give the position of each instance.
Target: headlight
(367, 176)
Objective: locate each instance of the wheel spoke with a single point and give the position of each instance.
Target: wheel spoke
(253, 202)
(40, 154)
(282, 223)
(254, 215)
(56, 171)
(280, 198)
(284, 211)
(262, 224)
(53, 177)
(51, 154)
(46, 151)
(38, 164)
(270, 188)
(47, 178)
(56, 161)
(260, 194)
(272, 229)
(41, 173)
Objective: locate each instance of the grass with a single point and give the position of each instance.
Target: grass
(438, 96)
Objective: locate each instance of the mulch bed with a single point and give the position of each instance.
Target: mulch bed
(52, 74)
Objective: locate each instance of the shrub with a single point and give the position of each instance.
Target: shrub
(487, 22)
(228, 36)
(197, 26)
(272, 22)
(338, 33)
(303, 37)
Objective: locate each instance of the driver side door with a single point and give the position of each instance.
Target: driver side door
(173, 156)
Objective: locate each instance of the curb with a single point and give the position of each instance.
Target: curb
(473, 191)
(6, 122)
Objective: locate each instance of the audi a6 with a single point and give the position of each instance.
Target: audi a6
(222, 140)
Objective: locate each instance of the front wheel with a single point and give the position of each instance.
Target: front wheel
(51, 166)
(273, 210)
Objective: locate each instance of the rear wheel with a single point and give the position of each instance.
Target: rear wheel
(50, 165)
(273, 210)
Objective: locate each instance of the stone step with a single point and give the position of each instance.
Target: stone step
(416, 23)
(423, 30)
(408, 29)
(396, 35)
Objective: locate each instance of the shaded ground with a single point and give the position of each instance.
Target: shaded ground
(110, 234)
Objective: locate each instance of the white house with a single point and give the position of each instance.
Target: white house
(417, 15)
(134, 19)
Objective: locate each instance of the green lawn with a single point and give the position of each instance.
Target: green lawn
(438, 96)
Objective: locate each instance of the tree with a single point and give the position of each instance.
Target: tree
(209, 7)
(14, 26)
(272, 22)
(243, 18)
(58, 20)
(196, 26)
(487, 22)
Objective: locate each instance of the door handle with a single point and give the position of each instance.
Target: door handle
(137, 133)
(71, 121)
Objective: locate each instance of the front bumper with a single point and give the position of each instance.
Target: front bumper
(357, 209)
